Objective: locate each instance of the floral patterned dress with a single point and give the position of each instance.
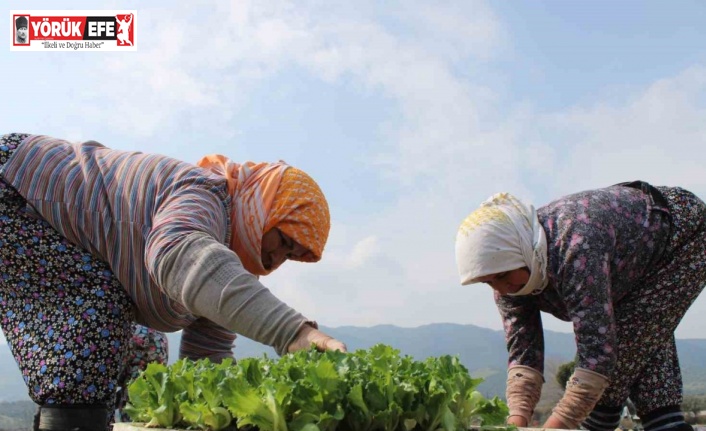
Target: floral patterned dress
(66, 318)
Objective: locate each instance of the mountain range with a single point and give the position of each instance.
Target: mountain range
(481, 350)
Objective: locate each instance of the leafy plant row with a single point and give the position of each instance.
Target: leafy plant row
(374, 389)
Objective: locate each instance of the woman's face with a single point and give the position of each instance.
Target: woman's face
(277, 247)
(508, 281)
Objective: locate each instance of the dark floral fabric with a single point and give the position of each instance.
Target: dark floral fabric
(146, 345)
(67, 320)
(65, 317)
(624, 271)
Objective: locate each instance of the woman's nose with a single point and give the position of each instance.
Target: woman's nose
(278, 258)
(500, 286)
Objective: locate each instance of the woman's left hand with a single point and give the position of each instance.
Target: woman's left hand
(517, 420)
(309, 335)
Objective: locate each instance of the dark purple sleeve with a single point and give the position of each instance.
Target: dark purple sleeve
(523, 330)
(584, 281)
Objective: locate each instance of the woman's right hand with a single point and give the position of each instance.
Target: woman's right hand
(517, 421)
(309, 335)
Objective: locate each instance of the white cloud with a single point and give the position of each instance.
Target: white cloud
(362, 252)
(657, 135)
(186, 69)
(458, 31)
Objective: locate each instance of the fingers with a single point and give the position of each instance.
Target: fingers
(334, 344)
(308, 336)
(517, 421)
(325, 342)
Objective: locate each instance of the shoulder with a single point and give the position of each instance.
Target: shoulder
(593, 206)
(590, 219)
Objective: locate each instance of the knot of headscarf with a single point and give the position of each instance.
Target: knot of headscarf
(269, 195)
(502, 235)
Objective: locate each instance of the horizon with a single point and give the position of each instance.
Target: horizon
(4, 342)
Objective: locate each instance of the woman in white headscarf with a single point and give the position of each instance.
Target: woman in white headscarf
(623, 264)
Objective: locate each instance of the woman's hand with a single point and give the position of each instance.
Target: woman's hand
(309, 335)
(555, 423)
(517, 420)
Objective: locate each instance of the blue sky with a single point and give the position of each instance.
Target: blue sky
(408, 114)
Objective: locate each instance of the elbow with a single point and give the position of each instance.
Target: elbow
(156, 265)
(162, 257)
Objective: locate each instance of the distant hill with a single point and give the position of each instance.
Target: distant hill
(17, 415)
(12, 387)
(481, 350)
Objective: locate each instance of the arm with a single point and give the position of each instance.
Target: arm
(209, 280)
(205, 339)
(525, 344)
(585, 284)
(523, 330)
(187, 260)
(524, 389)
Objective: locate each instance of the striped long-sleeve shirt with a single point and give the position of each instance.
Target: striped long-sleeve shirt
(162, 225)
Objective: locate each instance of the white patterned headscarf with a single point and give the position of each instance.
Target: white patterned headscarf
(502, 235)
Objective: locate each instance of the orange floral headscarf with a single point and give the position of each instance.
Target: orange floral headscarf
(269, 195)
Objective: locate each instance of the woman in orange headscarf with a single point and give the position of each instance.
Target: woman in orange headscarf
(98, 239)
(272, 198)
